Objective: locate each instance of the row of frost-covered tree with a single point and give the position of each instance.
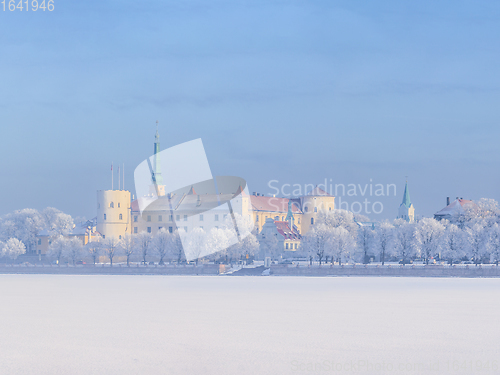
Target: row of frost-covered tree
(18, 230)
(470, 236)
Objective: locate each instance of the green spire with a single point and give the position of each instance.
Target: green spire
(406, 197)
(156, 159)
(289, 215)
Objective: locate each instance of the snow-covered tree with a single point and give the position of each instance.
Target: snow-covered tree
(270, 247)
(22, 224)
(74, 248)
(385, 237)
(162, 244)
(316, 242)
(94, 249)
(494, 243)
(57, 248)
(57, 222)
(453, 243)
(110, 247)
(127, 247)
(405, 240)
(476, 236)
(342, 244)
(338, 218)
(366, 242)
(13, 248)
(143, 244)
(429, 232)
(194, 243)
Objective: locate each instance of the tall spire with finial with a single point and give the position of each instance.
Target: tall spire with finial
(156, 158)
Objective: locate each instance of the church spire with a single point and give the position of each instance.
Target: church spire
(156, 159)
(406, 196)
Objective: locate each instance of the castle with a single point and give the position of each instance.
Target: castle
(118, 215)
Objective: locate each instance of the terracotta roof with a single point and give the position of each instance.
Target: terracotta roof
(284, 229)
(261, 203)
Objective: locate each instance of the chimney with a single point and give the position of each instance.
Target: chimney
(447, 201)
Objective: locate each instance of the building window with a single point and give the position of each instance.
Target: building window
(306, 208)
(160, 218)
(185, 217)
(103, 236)
(149, 229)
(329, 208)
(185, 229)
(312, 221)
(118, 204)
(315, 209)
(149, 217)
(159, 228)
(112, 205)
(225, 216)
(135, 218)
(201, 217)
(104, 216)
(286, 246)
(135, 230)
(120, 237)
(177, 217)
(295, 246)
(170, 229)
(120, 217)
(171, 218)
(39, 241)
(257, 218)
(216, 217)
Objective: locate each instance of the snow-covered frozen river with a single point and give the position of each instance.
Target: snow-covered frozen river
(55, 324)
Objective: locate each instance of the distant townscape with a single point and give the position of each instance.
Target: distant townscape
(308, 229)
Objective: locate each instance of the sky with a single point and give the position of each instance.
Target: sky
(291, 91)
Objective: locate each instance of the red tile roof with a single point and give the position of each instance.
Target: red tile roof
(261, 203)
(284, 229)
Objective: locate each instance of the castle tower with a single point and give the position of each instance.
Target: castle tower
(315, 201)
(406, 209)
(157, 186)
(113, 213)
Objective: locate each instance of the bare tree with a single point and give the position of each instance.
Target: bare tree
(127, 247)
(366, 242)
(94, 249)
(73, 249)
(385, 235)
(110, 248)
(316, 242)
(143, 244)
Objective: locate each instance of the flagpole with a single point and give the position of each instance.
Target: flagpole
(111, 175)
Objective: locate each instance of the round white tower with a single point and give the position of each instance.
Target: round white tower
(113, 213)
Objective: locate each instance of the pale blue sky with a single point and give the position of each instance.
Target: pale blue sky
(295, 91)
